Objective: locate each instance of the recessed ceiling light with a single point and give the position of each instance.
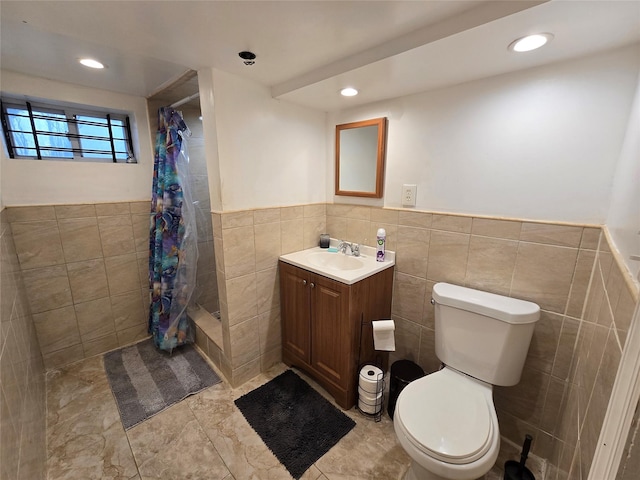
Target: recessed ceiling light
(530, 42)
(348, 92)
(91, 63)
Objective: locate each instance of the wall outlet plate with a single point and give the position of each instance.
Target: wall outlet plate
(409, 195)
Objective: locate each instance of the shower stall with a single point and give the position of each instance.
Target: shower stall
(204, 307)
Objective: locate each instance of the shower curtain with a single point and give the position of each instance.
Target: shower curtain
(173, 250)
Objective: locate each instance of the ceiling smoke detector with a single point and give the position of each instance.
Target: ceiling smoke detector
(249, 58)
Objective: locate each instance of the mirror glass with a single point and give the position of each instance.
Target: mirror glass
(360, 150)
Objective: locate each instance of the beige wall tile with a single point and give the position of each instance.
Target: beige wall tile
(237, 219)
(127, 310)
(111, 209)
(561, 235)
(412, 251)
(95, 319)
(88, 280)
(30, 214)
(270, 330)
(580, 284)
(116, 234)
(544, 342)
(47, 288)
(267, 290)
(312, 227)
(428, 359)
(315, 210)
(241, 299)
(525, 401)
(291, 213)
(408, 297)
(216, 225)
(590, 238)
(407, 340)
(132, 334)
(291, 236)
(80, 238)
(100, 345)
(358, 231)
(56, 329)
(267, 245)
(266, 215)
(141, 208)
(239, 252)
(543, 275)
(383, 215)
(391, 232)
(566, 344)
(491, 264)
(448, 254)
(551, 411)
(414, 219)
(242, 373)
(337, 227)
(245, 342)
(451, 223)
(270, 358)
(122, 273)
(489, 227)
(140, 226)
(38, 244)
(218, 247)
(75, 211)
(357, 212)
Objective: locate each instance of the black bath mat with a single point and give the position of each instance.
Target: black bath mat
(145, 380)
(297, 423)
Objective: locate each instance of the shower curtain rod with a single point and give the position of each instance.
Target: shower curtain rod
(184, 100)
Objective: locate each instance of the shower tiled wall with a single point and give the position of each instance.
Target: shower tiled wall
(22, 386)
(85, 275)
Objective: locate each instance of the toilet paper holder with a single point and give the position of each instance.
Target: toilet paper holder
(371, 397)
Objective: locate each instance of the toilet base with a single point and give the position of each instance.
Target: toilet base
(418, 472)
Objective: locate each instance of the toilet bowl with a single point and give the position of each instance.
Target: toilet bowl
(448, 425)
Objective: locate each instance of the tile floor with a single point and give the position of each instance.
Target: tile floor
(203, 437)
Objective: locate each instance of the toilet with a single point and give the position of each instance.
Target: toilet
(446, 421)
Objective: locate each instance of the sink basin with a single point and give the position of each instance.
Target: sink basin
(335, 261)
(338, 266)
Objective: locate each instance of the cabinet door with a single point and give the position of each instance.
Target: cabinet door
(330, 329)
(296, 317)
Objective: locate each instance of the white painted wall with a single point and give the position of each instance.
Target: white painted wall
(623, 220)
(271, 153)
(539, 144)
(41, 182)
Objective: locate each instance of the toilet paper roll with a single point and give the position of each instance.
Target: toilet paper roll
(369, 397)
(370, 379)
(383, 335)
(370, 408)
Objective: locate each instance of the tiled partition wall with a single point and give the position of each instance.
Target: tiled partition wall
(22, 403)
(247, 246)
(85, 274)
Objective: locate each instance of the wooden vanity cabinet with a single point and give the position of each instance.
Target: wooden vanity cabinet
(321, 326)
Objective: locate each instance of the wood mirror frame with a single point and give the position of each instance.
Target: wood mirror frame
(360, 153)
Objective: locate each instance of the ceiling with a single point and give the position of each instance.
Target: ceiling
(306, 50)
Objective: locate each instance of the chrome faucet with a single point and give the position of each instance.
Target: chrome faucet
(353, 248)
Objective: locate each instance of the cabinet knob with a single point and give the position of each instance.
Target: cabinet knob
(304, 282)
(312, 285)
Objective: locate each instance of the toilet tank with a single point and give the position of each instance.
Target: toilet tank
(483, 334)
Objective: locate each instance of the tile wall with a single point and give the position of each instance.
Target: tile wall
(85, 275)
(84, 268)
(22, 384)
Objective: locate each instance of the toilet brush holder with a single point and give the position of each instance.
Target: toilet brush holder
(516, 470)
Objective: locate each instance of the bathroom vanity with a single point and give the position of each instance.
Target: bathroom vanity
(327, 303)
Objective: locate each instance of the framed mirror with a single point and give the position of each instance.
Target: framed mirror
(360, 152)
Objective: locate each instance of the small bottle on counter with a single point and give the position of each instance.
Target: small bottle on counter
(381, 238)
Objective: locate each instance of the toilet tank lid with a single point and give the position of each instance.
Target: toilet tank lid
(507, 309)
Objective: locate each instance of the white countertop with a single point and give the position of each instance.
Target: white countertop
(345, 270)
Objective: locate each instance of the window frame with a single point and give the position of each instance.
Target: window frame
(71, 113)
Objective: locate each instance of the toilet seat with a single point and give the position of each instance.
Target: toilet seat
(448, 416)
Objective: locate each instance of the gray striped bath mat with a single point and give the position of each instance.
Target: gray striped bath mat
(145, 380)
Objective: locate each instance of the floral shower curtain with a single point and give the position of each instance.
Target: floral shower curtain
(173, 251)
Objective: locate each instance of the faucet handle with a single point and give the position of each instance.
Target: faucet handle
(355, 249)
